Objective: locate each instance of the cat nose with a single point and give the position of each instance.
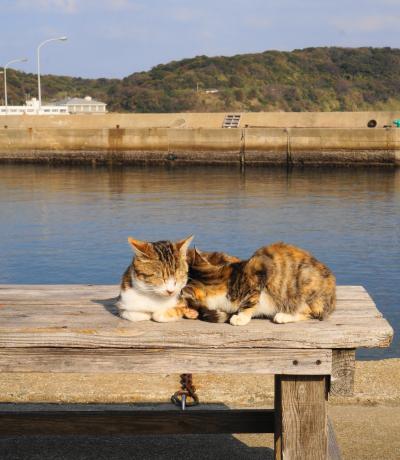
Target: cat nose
(169, 292)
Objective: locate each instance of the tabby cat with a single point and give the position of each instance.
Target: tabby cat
(151, 286)
(280, 281)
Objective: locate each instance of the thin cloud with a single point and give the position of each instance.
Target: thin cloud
(62, 6)
(74, 6)
(185, 14)
(366, 23)
(258, 22)
(118, 5)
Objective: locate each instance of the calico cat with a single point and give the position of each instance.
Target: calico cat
(151, 286)
(279, 281)
(214, 258)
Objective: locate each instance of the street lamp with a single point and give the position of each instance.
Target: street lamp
(5, 77)
(62, 39)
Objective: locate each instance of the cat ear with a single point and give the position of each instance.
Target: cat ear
(256, 266)
(183, 245)
(198, 257)
(141, 248)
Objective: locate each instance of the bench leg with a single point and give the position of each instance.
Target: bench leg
(300, 417)
(343, 367)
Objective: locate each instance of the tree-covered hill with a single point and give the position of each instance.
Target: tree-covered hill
(312, 79)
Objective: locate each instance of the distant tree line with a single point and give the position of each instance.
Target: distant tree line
(311, 79)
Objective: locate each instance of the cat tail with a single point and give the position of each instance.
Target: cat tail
(323, 306)
(194, 297)
(330, 302)
(213, 316)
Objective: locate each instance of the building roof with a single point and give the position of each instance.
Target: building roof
(79, 101)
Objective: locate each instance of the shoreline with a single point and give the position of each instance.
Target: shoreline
(240, 146)
(262, 138)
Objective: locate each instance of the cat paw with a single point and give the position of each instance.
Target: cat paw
(134, 315)
(282, 318)
(189, 313)
(239, 320)
(165, 316)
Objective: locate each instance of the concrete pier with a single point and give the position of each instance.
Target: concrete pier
(261, 139)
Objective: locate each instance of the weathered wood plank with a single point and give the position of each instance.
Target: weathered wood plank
(343, 369)
(130, 422)
(278, 446)
(75, 317)
(301, 428)
(234, 361)
(84, 317)
(195, 334)
(92, 306)
(83, 291)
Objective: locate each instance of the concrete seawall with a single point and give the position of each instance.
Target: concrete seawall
(204, 120)
(249, 146)
(261, 139)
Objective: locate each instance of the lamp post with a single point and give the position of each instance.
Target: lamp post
(5, 77)
(38, 63)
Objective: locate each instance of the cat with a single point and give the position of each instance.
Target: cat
(280, 281)
(215, 258)
(151, 286)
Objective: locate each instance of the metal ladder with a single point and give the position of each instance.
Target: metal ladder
(231, 120)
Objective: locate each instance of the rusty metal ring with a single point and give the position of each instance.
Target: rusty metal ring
(191, 399)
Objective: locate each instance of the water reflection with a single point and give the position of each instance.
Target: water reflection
(69, 225)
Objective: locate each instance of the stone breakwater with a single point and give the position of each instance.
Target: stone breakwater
(260, 139)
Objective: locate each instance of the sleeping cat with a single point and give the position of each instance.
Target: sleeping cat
(151, 286)
(279, 281)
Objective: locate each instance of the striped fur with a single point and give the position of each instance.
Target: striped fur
(279, 281)
(151, 286)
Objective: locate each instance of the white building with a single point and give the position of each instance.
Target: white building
(32, 108)
(85, 105)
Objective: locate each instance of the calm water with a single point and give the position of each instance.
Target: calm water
(70, 225)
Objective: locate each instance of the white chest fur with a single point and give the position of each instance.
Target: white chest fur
(220, 302)
(265, 307)
(136, 300)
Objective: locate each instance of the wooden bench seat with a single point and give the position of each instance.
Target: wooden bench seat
(75, 328)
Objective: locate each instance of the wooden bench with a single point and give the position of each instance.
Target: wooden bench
(74, 328)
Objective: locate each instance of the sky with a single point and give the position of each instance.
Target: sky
(114, 38)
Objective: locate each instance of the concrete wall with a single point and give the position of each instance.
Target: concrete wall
(375, 382)
(204, 120)
(202, 145)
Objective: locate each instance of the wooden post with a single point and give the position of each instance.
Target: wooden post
(343, 367)
(300, 417)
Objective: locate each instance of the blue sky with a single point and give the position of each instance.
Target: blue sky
(114, 38)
